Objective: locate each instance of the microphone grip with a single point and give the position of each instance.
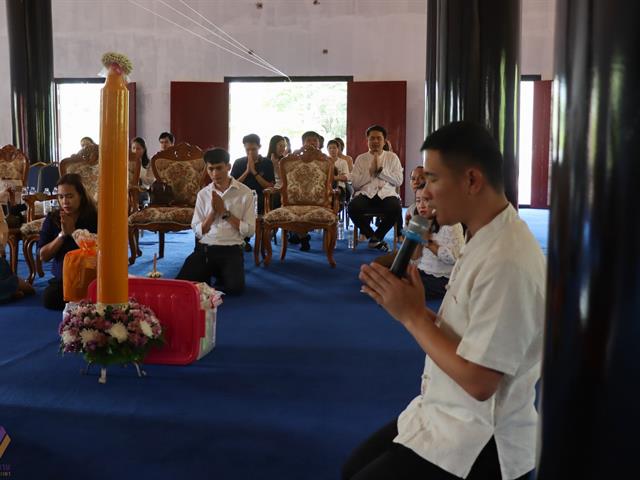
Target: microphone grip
(403, 257)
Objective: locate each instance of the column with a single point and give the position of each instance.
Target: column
(474, 73)
(31, 65)
(591, 369)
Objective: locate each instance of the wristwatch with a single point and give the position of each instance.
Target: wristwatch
(226, 214)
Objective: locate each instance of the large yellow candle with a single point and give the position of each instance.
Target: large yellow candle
(113, 288)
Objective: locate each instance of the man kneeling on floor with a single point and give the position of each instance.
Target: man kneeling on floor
(223, 217)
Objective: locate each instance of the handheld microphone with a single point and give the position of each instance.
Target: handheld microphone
(413, 236)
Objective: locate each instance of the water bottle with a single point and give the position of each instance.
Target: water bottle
(349, 239)
(340, 231)
(54, 202)
(46, 205)
(255, 201)
(32, 190)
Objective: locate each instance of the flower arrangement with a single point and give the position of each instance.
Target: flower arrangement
(121, 62)
(112, 336)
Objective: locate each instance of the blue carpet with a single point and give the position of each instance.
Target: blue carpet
(305, 368)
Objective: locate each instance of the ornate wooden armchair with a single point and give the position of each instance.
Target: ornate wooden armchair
(308, 201)
(14, 172)
(181, 167)
(84, 163)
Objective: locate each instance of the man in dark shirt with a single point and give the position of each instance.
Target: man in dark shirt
(254, 171)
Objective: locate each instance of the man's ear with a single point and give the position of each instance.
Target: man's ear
(475, 180)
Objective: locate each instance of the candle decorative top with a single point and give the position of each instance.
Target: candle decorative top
(120, 62)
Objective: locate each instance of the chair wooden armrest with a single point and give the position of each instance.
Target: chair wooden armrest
(31, 200)
(267, 192)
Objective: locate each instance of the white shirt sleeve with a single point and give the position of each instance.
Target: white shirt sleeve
(450, 240)
(200, 213)
(248, 219)
(503, 322)
(360, 175)
(392, 170)
(343, 168)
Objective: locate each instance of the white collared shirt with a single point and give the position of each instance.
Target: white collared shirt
(238, 199)
(495, 305)
(384, 185)
(450, 240)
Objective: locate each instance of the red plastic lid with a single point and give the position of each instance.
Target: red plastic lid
(176, 303)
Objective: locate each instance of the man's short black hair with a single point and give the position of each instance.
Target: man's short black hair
(251, 138)
(310, 133)
(377, 128)
(216, 155)
(468, 144)
(333, 142)
(168, 135)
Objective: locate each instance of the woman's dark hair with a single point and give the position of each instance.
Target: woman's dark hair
(340, 143)
(288, 142)
(87, 209)
(273, 144)
(145, 158)
(333, 142)
(88, 138)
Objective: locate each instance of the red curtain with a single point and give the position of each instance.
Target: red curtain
(541, 144)
(382, 103)
(200, 113)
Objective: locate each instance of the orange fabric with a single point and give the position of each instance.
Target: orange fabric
(78, 271)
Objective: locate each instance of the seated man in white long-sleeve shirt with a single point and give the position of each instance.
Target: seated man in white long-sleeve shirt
(223, 217)
(375, 176)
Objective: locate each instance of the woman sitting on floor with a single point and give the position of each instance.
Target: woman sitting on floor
(11, 286)
(76, 211)
(436, 258)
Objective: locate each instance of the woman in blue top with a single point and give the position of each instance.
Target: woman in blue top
(76, 211)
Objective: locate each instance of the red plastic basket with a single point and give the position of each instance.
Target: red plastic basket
(176, 303)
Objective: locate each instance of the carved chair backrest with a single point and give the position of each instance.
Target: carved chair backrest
(182, 167)
(14, 169)
(84, 163)
(306, 176)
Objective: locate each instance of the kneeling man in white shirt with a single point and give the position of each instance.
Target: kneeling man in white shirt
(474, 416)
(223, 217)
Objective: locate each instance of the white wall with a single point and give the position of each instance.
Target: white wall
(538, 37)
(368, 39)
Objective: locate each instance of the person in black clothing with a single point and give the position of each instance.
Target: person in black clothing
(77, 211)
(254, 171)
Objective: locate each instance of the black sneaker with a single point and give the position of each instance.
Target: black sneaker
(374, 242)
(382, 246)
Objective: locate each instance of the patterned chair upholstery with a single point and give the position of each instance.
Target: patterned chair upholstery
(308, 201)
(181, 167)
(14, 173)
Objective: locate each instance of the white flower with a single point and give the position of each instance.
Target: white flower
(119, 332)
(88, 335)
(146, 328)
(68, 337)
